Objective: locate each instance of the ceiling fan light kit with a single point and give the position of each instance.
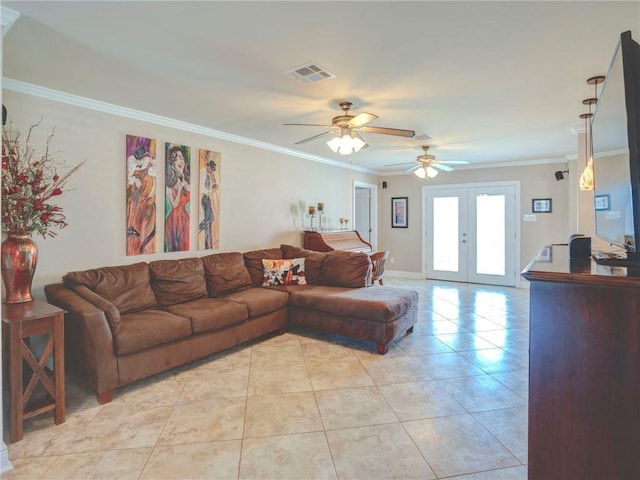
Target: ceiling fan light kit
(347, 142)
(426, 172)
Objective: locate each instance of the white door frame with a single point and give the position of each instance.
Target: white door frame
(514, 183)
(373, 209)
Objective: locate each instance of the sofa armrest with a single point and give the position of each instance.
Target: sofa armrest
(88, 338)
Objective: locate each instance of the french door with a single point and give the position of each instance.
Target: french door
(471, 234)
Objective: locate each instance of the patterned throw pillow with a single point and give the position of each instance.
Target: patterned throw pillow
(283, 272)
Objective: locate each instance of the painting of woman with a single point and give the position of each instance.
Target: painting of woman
(177, 198)
(208, 220)
(141, 195)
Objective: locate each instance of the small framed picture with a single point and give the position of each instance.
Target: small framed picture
(601, 202)
(541, 205)
(400, 212)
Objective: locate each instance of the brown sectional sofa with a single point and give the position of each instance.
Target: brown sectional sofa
(125, 323)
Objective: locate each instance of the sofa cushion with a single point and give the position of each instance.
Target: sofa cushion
(225, 272)
(148, 328)
(377, 304)
(128, 287)
(177, 281)
(260, 301)
(208, 314)
(283, 272)
(313, 261)
(289, 288)
(109, 309)
(253, 261)
(347, 269)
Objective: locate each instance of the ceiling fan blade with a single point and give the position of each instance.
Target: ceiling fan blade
(308, 125)
(389, 131)
(413, 169)
(362, 119)
(452, 162)
(399, 164)
(313, 138)
(444, 168)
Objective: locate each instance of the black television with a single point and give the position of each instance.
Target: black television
(615, 136)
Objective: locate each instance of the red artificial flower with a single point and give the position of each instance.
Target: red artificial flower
(28, 185)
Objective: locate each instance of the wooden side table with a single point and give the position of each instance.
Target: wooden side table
(23, 320)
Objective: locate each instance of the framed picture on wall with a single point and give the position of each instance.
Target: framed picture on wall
(601, 202)
(399, 212)
(541, 205)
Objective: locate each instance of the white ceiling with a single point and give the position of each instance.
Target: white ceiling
(489, 82)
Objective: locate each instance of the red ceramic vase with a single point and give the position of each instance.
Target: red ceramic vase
(19, 257)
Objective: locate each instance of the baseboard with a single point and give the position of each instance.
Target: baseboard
(520, 282)
(5, 464)
(401, 274)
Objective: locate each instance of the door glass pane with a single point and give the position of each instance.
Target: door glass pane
(445, 233)
(490, 250)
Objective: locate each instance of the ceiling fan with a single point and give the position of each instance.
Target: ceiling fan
(348, 140)
(427, 164)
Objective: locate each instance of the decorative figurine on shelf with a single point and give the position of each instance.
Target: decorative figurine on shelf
(320, 212)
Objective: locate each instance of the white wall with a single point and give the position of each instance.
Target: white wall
(264, 194)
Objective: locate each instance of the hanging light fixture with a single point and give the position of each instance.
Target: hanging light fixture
(347, 142)
(426, 171)
(586, 179)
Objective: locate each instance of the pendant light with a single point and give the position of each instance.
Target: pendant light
(586, 179)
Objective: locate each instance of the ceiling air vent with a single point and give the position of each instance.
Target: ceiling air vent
(309, 73)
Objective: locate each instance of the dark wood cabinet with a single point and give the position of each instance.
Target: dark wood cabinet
(584, 367)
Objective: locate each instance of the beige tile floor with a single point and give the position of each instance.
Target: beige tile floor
(448, 401)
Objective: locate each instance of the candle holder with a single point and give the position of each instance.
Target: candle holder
(311, 215)
(320, 213)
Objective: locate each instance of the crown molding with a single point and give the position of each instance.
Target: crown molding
(8, 18)
(111, 109)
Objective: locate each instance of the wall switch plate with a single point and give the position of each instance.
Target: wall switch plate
(392, 260)
(530, 217)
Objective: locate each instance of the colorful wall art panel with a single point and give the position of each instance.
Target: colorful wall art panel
(209, 195)
(177, 197)
(141, 195)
